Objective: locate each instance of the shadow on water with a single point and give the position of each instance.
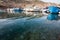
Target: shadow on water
(28, 28)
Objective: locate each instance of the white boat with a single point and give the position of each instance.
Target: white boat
(45, 11)
(14, 10)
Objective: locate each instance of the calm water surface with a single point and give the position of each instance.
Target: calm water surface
(29, 28)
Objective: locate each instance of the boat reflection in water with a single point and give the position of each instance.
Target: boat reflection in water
(19, 14)
(28, 28)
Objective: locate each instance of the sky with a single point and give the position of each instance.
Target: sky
(53, 1)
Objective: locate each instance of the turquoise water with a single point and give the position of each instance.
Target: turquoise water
(29, 29)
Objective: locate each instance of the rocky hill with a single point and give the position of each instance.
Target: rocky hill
(24, 3)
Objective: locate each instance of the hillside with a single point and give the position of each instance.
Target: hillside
(24, 3)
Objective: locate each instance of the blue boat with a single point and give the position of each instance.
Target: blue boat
(17, 10)
(54, 11)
